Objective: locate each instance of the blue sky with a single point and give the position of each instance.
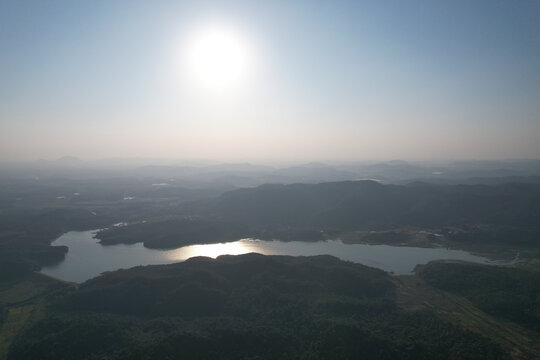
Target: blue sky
(331, 80)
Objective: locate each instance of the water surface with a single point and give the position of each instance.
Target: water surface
(87, 258)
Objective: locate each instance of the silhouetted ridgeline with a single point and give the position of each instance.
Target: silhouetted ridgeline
(511, 213)
(243, 307)
(368, 205)
(174, 233)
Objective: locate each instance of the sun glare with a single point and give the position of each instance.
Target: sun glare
(214, 250)
(218, 58)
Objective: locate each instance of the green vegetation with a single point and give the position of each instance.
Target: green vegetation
(415, 295)
(367, 205)
(387, 237)
(506, 215)
(25, 237)
(33, 212)
(15, 318)
(244, 307)
(497, 235)
(21, 301)
(260, 307)
(509, 293)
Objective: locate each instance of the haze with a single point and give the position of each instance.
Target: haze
(277, 80)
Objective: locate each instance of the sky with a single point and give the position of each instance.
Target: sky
(290, 80)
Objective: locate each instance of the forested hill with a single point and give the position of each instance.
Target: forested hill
(368, 205)
(465, 214)
(243, 307)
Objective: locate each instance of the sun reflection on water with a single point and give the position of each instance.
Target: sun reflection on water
(242, 246)
(87, 258)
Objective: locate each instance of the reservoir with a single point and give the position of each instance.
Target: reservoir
(87, 258)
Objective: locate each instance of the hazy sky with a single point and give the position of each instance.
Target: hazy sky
(310, 80)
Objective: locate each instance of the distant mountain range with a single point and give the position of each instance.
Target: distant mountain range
(197, 174)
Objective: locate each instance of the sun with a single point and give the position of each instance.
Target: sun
(218, 58)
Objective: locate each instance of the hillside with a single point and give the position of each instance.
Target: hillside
(243, 307)
(506, 214)
(368, 204)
